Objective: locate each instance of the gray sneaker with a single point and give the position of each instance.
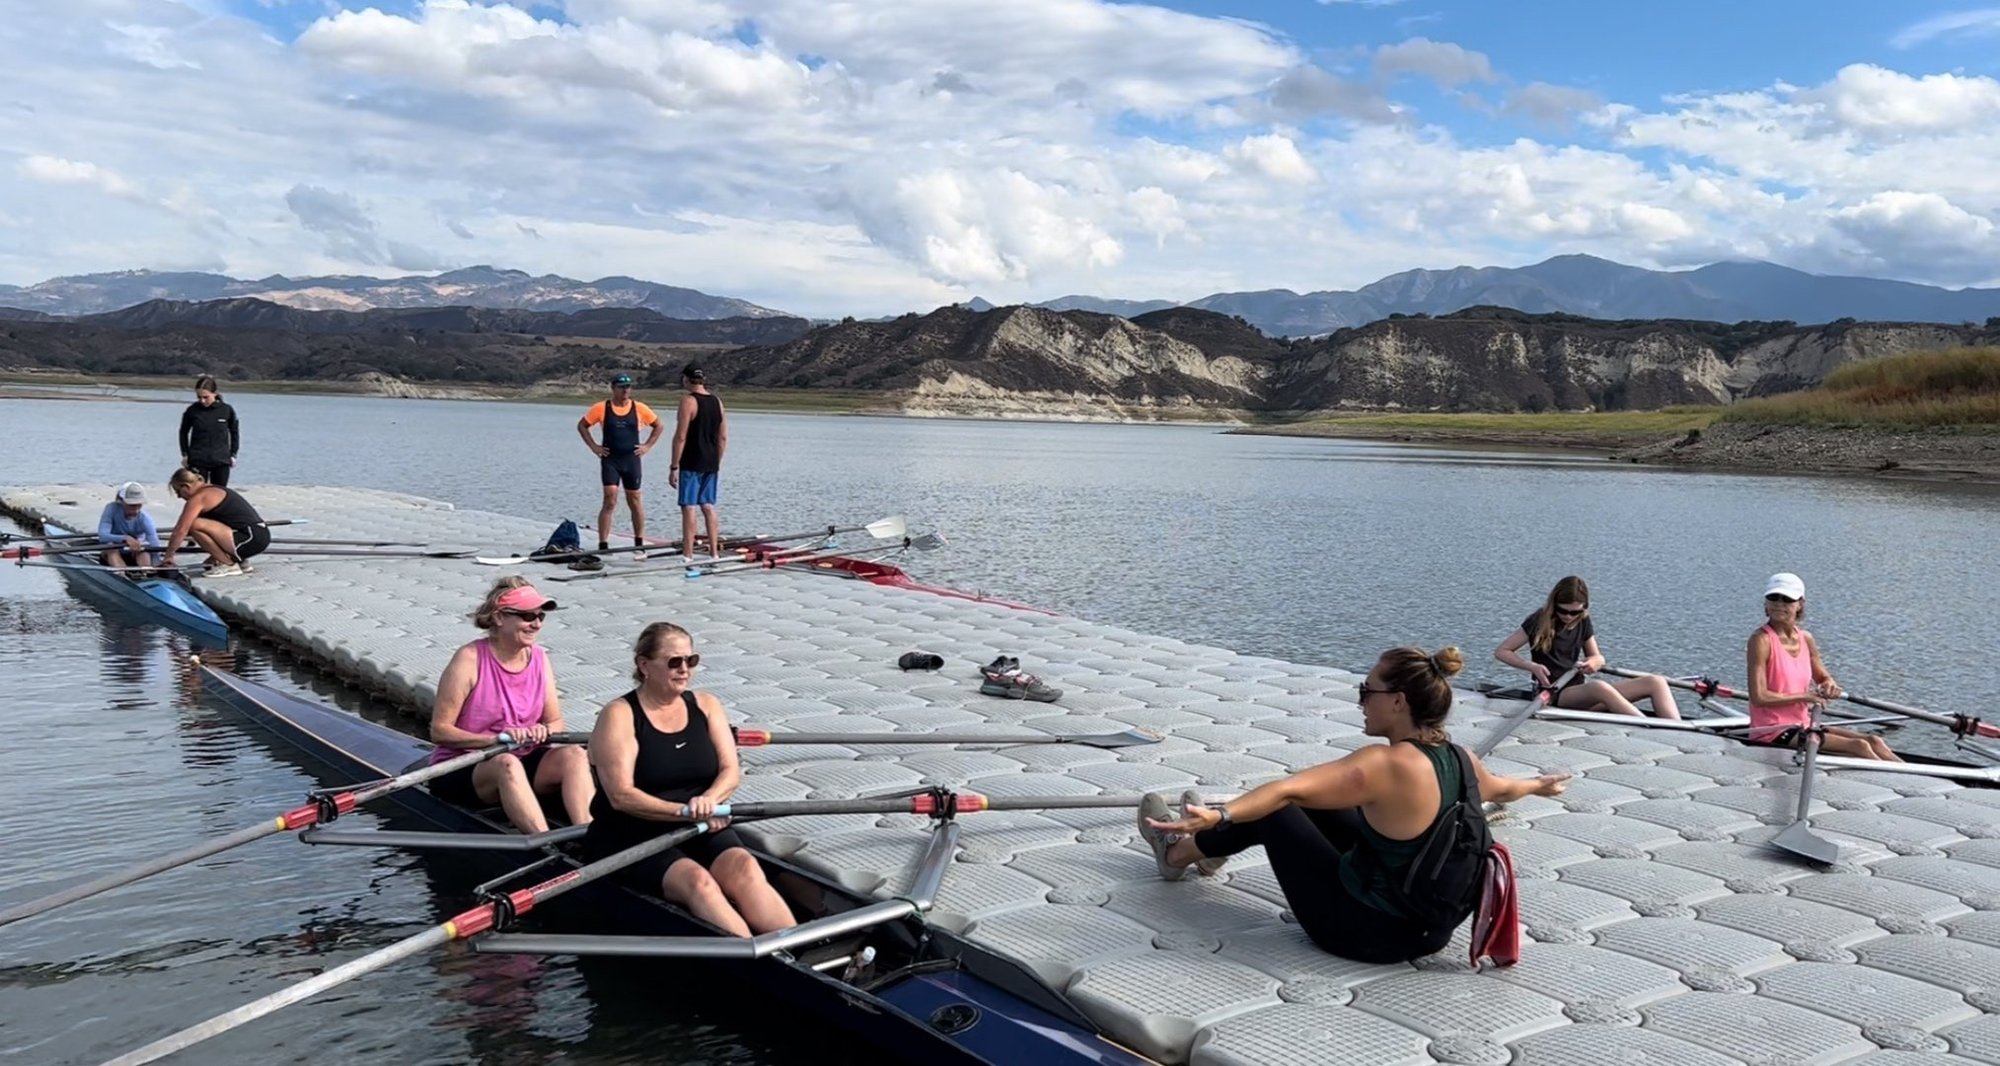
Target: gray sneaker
(223, 570)
(1154, 805)
(1204, 867)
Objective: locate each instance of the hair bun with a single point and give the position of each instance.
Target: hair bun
(1447, 661)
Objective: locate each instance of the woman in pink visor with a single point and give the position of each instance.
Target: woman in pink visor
(503, 683)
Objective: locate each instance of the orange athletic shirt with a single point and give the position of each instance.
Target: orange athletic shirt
(595, 416)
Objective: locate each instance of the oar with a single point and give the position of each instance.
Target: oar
(1506, 729)
(67, 549)
(9, 538)
(465, 926)
(758, 738)
(368, 553)
(665, 546)
(927, 542)
(301, 542)
(324, 808)
(1960, 724)
(881, 529)
(680, 566)
(925, 803)
(1798, 838)
(189, 568)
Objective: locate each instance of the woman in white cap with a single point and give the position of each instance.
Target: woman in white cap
(127, 532)
(1787, 679)
(503, 683)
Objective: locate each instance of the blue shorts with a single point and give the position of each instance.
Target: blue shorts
(615, 469)
(698, 488)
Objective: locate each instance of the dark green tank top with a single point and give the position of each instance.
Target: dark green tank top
(1370, 884)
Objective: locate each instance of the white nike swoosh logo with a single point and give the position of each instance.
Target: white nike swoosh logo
(682, 744)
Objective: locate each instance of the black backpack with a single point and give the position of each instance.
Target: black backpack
(1445, 878)
(565, 541)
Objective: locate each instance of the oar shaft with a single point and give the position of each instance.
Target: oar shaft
(1708, 686)
(250, 1012)
(924, 803)
(465, 926)
(141, 871)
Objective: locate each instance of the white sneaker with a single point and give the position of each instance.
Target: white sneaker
(224, 570)
(639, 556)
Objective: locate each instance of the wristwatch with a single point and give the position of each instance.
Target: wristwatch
(1223, 820)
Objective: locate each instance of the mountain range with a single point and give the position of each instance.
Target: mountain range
(479, 286)
(1568, 284)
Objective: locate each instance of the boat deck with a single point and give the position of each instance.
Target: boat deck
(1659, 928)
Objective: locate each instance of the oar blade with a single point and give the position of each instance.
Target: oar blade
(1131, 738)
(890, 528)
(1799, 839)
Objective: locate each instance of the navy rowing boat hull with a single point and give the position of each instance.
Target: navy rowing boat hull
(963, 1006)
(162, 599)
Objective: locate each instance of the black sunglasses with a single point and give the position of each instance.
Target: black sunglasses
(527, 616)
(1564, 612)
(675, 662)
(1776, 598)
(1364, 690)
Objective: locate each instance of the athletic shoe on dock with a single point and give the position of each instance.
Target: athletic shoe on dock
(1154, 805)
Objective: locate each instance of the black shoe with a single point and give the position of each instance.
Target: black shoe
(1002, 667)
(920, 660)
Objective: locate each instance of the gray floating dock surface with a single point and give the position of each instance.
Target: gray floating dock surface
(1659, 927)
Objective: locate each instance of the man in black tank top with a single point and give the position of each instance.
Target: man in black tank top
(700, 438)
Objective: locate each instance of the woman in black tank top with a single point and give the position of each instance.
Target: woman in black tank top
(220, 520)
(663, 756)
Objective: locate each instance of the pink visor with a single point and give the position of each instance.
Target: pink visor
(524, 598)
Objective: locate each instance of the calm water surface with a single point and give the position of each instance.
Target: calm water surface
(1318, 551)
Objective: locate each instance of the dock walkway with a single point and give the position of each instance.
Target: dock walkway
(1659, 928)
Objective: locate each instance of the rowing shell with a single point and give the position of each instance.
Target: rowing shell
(944, 1000)
(165, 600)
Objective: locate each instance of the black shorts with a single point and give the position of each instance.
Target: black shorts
(252, 541)
(617, 469)
(1792, 736)
(456, 786)
(646, 874)
(215, 473)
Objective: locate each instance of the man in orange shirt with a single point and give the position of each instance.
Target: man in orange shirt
(618, 455)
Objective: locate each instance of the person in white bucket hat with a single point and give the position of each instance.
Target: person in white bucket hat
(1788, 680)
(127, 532)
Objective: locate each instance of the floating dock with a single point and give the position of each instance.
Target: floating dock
(1659, 926)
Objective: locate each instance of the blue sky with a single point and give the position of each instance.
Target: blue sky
(874, 157)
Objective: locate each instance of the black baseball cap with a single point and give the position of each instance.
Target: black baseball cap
(621, 379)
(691, 372)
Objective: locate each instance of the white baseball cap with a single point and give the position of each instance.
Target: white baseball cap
(132, 492)
(1785, 585)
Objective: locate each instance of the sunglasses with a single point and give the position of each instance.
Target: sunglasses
(1365, 690)
(527, 616)
(1564, 612)
(675, 662)
(1776, 598)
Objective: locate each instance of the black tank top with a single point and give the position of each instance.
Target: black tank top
(621, 432)
(702, 453)
(669, 766)
(235, 512)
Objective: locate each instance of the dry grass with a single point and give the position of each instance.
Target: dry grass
(1957, 389)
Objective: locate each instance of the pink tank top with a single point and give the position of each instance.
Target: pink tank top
(501, 699)
(1784, 671)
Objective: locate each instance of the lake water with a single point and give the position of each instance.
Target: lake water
(1312, 550)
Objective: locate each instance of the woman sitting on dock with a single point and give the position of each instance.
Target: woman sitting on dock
(220, 520)
(1787, 679)
(1559, 636)
(664, 756)
(1341, 836)
(503, 683)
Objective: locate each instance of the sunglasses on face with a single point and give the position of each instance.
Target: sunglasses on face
(1775, 598)
(675, 662)
(1365, 690)
(527, 616)
(1565, 612)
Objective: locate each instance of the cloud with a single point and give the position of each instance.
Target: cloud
(1307, 90)
(349, 233)
(1980, 22)
(1553, 106)
(1447, 64)
(1872, 99)
(1273, 155)
(1898, 226)
(56, 171)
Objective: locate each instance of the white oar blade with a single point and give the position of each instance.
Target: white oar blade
(890, 528)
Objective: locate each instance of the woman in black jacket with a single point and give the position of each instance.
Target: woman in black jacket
(209, 434)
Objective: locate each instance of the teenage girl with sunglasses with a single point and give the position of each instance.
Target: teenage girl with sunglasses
(1787, 679)
(503, 683)
(1560, 636)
